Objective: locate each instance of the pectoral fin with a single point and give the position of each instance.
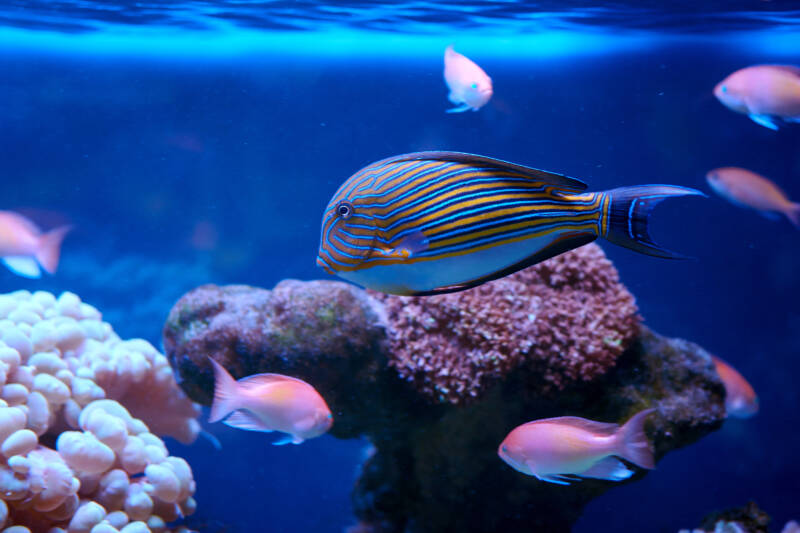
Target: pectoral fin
(460, 109)
(244, 420)
(409, 246)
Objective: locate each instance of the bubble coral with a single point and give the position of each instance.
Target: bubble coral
(74, 458)
(570, 317)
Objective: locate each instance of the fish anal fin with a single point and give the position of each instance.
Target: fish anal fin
(764, 120)
(242, 419)
(564, 243)
(601, 428)
(27, 267)
(286, 439)
(609, 468)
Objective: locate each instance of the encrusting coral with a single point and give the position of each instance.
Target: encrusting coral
(436, 383)
(77, 416)
(569, 315)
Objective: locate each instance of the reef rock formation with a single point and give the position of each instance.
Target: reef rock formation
(746, 519)
(435, 384)
(78, 411)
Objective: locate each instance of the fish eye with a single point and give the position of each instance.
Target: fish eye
(330, 416)
(344, 209)
(474, 85)
(724, 88)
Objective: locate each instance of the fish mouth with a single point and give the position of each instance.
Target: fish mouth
(325, 266)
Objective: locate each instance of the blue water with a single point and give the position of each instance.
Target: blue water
(199, 142)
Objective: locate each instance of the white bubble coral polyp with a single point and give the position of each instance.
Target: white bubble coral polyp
(68, 382)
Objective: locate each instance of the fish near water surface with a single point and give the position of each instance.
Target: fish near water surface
(745, 188)
(740, 398)
(24, 248)
(270, 402)
(567, 448)
(437, 222)
(470, 87)
(768, 94)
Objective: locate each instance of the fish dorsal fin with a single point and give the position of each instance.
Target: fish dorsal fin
(260, 380)
(602, 428)
(25, 222)
(791, 69)
(551, 178)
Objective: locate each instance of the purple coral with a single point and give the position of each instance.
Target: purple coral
(569, 317)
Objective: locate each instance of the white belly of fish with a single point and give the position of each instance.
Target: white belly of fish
(426, 275)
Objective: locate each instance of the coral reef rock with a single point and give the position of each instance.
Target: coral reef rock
(77, 421)
(569, 317)
(436, 383)
(746, 519)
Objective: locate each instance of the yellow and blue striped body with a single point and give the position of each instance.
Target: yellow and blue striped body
(435, 222)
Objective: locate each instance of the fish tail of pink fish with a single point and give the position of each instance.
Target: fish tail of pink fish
(632, 441)
(49, 249)
(793, 214)
(226, 393)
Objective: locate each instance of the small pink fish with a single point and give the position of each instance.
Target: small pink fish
(747, 189)
(270, 402)
(740, 398)
(23, 246)
(470, 87)
(567, 448)
(766, 93)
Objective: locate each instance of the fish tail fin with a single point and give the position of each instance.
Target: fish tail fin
(49, 249)
(226, 393)
(632, 441)
(793, 214)
(629, 212)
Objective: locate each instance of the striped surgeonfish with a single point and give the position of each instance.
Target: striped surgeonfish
(437, 222)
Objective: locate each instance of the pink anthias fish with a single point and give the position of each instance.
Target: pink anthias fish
(768, 94)
(23, 246)
(470, 87)
(567, 448)
(740, 398)
(747, 189)
(270, 402)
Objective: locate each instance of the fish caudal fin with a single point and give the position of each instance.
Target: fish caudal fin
(226, 393)
(793, 214)
(632, 441)
(629, 213)
(50, 248)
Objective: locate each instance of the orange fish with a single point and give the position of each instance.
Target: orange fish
(747, 189)
(23, 246)
(567, 448)
(740, 398)
(470, 87)
(768, 94)
(270, 402)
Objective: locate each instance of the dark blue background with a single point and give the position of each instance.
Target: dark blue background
(136, 152)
